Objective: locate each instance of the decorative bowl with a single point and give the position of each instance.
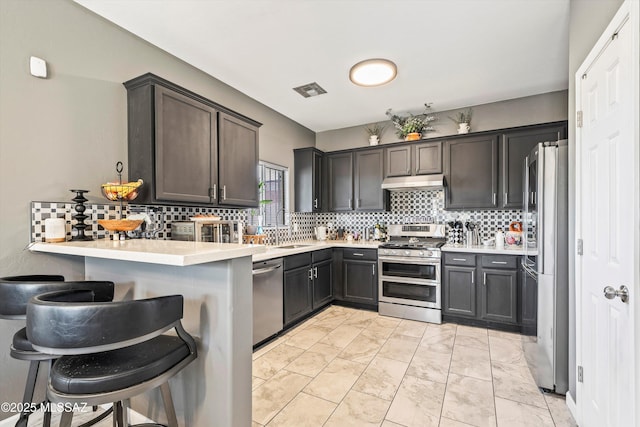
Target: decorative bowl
(116, 191)
(120, 224)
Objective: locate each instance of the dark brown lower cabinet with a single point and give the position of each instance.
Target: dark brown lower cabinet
(298, 294)
(482, 290)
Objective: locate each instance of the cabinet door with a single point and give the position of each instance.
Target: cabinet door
(238, 172)
(185, 148)
(360, 281)
(368, 176)
(428, 158)
(340, 177)
(515, 146)
(297, 293)
(398, 161)
(308, 164)
(459, 291)
(471, 172)
(499, 298)
(322, 283)
(528, 303)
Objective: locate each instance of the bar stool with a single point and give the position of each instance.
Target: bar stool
(15, 292)
(109, 352)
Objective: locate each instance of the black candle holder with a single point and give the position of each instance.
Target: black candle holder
(80, 216)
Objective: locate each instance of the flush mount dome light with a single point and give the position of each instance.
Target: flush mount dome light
(373, 72)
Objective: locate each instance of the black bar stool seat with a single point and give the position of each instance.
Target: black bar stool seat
(117, 369)
(21, 344)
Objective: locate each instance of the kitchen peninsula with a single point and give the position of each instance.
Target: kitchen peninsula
(216, 282)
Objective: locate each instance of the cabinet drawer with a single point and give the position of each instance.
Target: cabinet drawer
(460, 259)
(296, 261)
(321, 255)
(365, 254)
(500, 261)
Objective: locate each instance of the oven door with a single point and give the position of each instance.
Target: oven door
(409, 281)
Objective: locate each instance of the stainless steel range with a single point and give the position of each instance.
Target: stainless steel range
(409, 272)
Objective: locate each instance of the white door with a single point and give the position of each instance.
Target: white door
(607, 209)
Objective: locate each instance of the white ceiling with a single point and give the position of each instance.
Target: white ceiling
(452, 53)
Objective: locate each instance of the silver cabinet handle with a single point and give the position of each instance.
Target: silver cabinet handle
(611, 293)
(224, 192)
(373, 268)
(473, 277)
(484, 279)
(357, 254)
(494, 198)
(311, 274)
(506, 198)
(315, 203)
(213, 192)
(498, 262)
(349, 203)
(315, 272)
(459, 259)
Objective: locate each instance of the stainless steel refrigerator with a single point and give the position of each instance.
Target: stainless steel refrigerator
(545, 223)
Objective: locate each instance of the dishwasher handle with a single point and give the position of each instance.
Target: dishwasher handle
(265, 270)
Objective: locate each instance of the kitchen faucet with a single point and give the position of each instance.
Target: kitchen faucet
(277, 231)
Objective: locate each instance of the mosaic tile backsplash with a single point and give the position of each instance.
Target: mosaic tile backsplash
(406, 207)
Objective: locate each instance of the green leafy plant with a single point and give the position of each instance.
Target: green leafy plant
(462, 117)
(261, 203)
(420, 123)
(375, 129)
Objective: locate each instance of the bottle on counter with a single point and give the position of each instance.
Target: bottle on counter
(499, 239)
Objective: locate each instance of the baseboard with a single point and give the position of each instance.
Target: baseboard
(573, 408)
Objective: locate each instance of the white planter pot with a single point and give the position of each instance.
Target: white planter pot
(373, 140)
(463, 128)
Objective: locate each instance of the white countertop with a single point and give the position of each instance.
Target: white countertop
(167, 252)
(311, 245)
(479, 249)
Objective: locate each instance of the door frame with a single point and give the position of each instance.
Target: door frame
(628, 10)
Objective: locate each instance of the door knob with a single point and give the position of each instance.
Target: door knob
(611, 293)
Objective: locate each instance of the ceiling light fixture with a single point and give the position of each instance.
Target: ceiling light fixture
(373, 72)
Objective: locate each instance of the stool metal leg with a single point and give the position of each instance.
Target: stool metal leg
(29, 388)
(172, 421)
(124, 405)
(66, 418)
(46, 422)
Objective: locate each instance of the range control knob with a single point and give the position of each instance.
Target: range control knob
(407, 253)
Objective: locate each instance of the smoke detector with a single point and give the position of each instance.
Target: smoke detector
(309, 90)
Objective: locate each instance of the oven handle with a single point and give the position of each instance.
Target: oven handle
(409, 281)
(409, 260)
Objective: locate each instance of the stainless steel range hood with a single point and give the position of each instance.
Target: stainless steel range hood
(407, 183)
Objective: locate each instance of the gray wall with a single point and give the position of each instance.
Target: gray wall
(69, 130)
(547, 107)
(588, 20)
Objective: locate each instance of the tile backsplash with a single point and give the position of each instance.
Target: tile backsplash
(406, 207)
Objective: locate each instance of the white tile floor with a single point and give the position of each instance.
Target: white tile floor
(347, 367)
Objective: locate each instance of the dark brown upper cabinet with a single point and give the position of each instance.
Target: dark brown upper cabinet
(515, 146)
(471, 172)
(188, 149)
(238, 171)
(367, 182)
(340, 181)
(308, 175)
(416, 159)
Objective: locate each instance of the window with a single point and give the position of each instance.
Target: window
(275, 181)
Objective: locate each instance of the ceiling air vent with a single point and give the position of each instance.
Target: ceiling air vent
(309, 90)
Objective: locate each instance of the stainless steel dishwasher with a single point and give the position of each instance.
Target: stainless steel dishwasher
(267, 299)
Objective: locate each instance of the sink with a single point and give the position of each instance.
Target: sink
(292, 246)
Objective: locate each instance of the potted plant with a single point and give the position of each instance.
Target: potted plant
(412, 127)
(463, 120)
(251, 228)
(375, 132)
